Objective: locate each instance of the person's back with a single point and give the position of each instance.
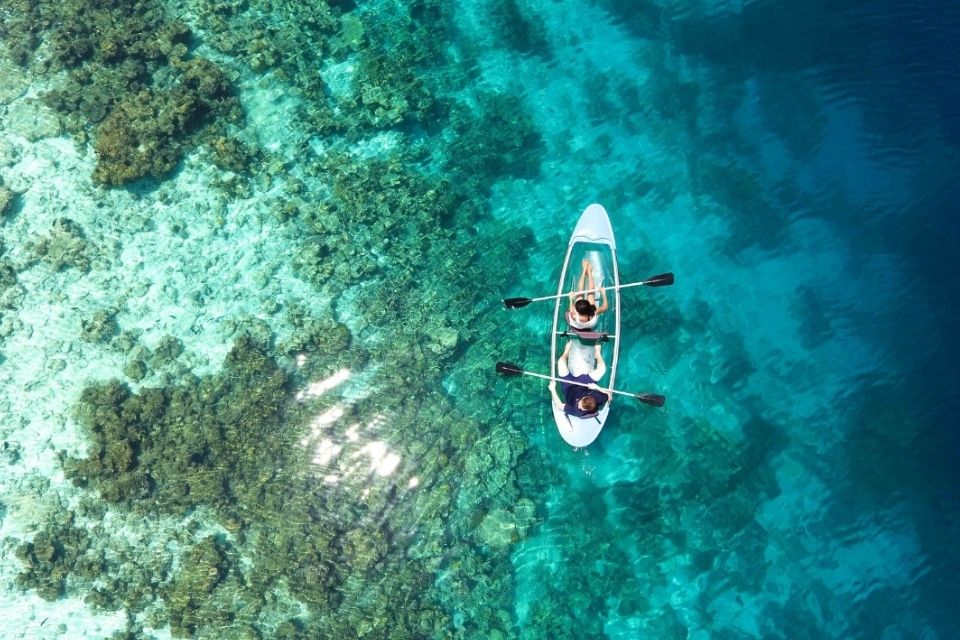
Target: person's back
(583, 317)
(579, 400)
(583, 312)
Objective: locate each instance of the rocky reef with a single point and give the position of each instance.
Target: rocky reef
(130, 83)
(299, 515)
(148, 133)
(65, 247)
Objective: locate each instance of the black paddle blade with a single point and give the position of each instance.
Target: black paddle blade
(509, 369)
(516, 303)
(662, 280)
(651, 399)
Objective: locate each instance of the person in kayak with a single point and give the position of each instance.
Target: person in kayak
(584, 312)
(578, 400)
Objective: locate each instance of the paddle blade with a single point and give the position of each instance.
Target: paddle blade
(652, 399)
(508, 369)
(516, 303)
(662, 280)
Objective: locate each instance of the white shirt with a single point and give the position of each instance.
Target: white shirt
(574, 321)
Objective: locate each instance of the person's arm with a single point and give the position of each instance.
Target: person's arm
(557, 402)
(603, 296)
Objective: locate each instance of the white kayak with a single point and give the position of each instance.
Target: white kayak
(592, 240)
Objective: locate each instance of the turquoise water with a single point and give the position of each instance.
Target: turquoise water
(251, 264)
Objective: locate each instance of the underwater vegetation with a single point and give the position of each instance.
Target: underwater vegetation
(219, 421)
(287, 525)
(147, 133)
(131, 85)
(6, 200)
(66, 247)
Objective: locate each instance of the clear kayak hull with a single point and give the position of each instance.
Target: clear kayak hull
(592, 239)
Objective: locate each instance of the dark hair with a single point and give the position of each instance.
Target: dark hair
(589, 403)
(584, 308)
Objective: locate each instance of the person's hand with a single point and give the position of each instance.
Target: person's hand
(597, 387)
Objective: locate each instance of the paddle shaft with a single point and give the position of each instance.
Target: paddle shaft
(579, 384)
(577, 293)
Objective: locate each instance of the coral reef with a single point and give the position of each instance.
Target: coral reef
(8, 276)
(232, 154)
(348, 534)
(89, 93)
(188, 596)
(100, 327)
(52, 556)
(65, 248)
(187, 445)
(131, 84)
(6, 200)
(148, 133)
(11, 451)
(387, 90)
(165, 353)
(205, 444)
(495, 139)
(136, 370)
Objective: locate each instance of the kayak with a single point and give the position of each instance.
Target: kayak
(592, 240)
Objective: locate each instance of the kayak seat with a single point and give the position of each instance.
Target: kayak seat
(603, 336)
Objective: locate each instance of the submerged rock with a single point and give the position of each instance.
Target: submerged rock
(6, 199)
(498, 529)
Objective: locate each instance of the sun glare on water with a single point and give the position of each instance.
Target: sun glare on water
(372, 458)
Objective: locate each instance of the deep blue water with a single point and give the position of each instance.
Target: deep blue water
(796, 164)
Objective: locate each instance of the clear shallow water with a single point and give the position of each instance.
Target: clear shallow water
(792, 163)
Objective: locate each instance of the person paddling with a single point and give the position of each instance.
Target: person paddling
(584, 312)
(578, 400)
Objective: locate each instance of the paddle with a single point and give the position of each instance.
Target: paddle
(662, 280)
(507, 369)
